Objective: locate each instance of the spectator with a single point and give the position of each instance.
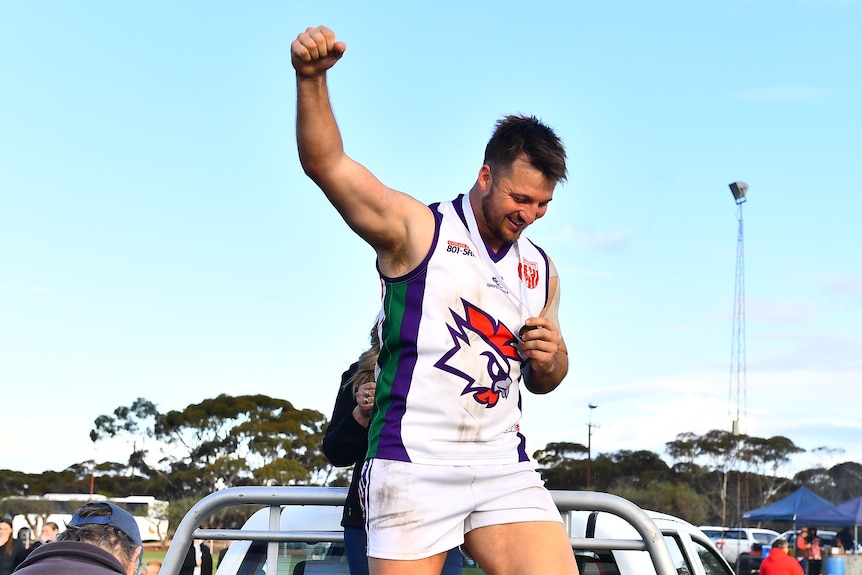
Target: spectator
(802, 546)
(153, 567)
(49, 532)
(223, 552)
(815, 558)
(190, 563)
(778, 562)
(101, 538)
(345, 443)
(845, 540)
(12, 550)
(206, 559)
(25, 536)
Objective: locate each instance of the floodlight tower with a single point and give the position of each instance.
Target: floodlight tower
(590, 427)
(737, 349)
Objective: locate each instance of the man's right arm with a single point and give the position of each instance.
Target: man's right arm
(377, 213)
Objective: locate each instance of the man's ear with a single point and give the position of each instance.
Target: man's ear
(485, 177)
(132, 567)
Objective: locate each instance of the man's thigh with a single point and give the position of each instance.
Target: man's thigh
(427, 566)
(523, 549)
(414, 512)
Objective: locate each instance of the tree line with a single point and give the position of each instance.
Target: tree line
(183, 455)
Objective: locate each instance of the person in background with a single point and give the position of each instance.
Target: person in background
(223, 552)
(815, 557)
(206, 559)
(153, 567)
(345, 443)
(49, 532)
(25, 536)
(778, 562)
(196, 545)
(802, 547)
(845, 540)
(190, 563)
(12, 550)
(49, 535)
(100, 539)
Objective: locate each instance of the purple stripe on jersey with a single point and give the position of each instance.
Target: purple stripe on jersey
(522, 446)
(391, 444)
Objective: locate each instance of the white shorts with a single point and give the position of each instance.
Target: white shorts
(414, 511)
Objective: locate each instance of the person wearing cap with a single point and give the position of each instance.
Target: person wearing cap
(778, 562)
(101, 538)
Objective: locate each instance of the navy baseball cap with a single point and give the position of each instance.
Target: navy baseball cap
(119, 518)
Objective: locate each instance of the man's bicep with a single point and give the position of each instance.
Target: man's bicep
(373, 210)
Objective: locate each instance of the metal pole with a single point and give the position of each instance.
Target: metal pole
(589, 446)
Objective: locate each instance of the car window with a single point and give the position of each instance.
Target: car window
(295, 558)
(590, 563)
(680, 563)
(764, 537)
(712, 564)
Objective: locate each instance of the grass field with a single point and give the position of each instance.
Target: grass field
(158, 554)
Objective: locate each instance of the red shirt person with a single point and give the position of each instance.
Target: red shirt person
(778, 562)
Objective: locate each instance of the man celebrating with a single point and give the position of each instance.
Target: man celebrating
(469, 310)
(778, 562)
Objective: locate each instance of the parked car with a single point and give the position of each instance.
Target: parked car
(298, 533)
(687, 545)
(713, 532)
(741, 544)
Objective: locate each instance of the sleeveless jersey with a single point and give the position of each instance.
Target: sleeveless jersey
(450, 360)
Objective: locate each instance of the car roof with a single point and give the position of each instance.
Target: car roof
(299, 518)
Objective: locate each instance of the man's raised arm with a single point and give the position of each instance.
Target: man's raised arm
(378, 214)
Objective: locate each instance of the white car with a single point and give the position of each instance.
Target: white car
(690, 550)
(746, 545)
(299, 533)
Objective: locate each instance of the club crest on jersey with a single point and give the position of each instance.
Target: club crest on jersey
(529, 273)
(481, 343)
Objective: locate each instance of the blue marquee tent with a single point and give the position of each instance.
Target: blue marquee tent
(802, 501)
(846, 514)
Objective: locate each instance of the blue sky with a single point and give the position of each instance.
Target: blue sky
(158, 238)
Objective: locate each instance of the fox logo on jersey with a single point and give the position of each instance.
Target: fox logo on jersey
(481, 342)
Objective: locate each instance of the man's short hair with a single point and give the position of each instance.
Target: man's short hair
(526, 137)
(779, 543)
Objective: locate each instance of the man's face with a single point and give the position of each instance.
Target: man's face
(513, 201)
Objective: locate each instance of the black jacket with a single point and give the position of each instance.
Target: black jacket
(345, 443)
(70, 558)
(9, 561)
